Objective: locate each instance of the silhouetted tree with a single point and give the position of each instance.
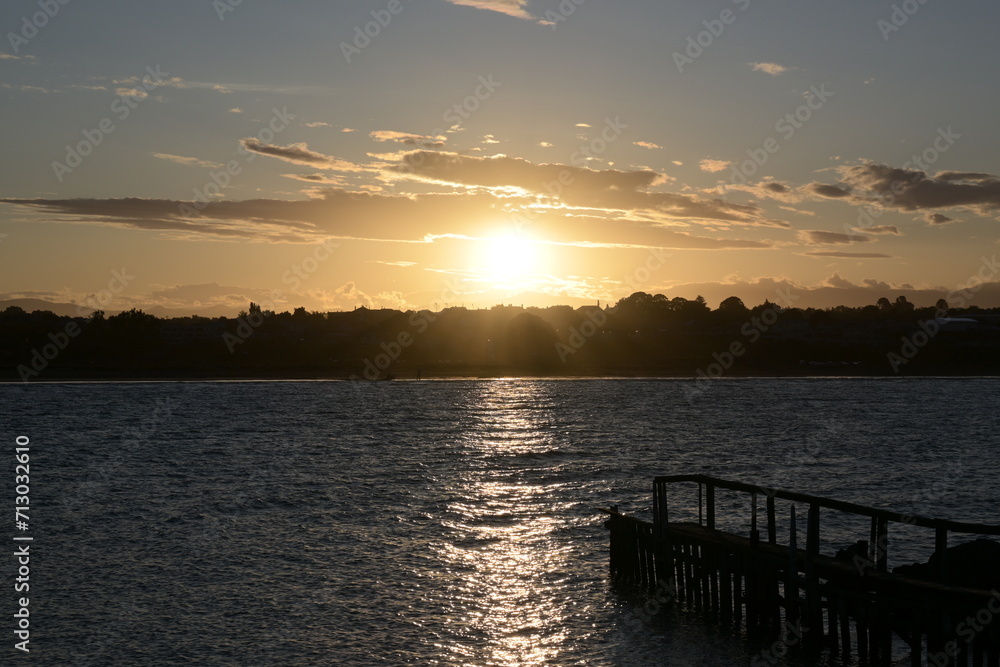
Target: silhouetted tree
(530, 341)
(733, 305)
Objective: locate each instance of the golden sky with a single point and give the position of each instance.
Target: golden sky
(410, 154)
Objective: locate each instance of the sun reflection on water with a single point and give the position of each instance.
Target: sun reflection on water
(508, 606)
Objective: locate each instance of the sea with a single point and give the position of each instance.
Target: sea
(436, 522)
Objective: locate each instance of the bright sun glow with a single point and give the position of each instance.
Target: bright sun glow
(510, 257)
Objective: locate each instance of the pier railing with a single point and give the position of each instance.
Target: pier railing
(880, 519)
(771, 589)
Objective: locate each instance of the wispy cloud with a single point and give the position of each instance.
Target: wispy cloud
(647, 144)
(408, 139)
(609, 189)
(820, 237)
(188, 161)
(364, 216)
(848, 255)
(515, 8)
(317, 179)
(300, 154)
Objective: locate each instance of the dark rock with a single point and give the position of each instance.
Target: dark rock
(973, 564)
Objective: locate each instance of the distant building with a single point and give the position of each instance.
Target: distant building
(177, 331)
(956, 324)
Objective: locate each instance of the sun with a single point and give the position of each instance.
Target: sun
(510, 257)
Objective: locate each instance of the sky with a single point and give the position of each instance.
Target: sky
(193, 156)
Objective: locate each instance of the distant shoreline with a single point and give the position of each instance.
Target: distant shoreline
(70, 378)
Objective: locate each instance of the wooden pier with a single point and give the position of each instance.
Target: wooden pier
(807, 603)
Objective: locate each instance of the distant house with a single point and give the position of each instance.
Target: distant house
(957, 324)
(181, 330)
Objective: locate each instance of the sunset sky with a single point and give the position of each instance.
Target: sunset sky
(483, 151)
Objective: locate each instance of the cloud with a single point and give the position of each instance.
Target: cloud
(829, 191)
(137, 93)
(27, 88)
(545, 144)
(405, 138)
(938, 218)
(774, 69)
(399, 263)
(834, 291)
(11, 56)
(318, 124)
(324, 179)
(836, 281)
(375, 217)
(187, 161)
(768, 190)
(575, 186)
(300, 154)
(647, 144)
(879, 229)
(819, 237)
(914, 190)
(849, 255)
(236, 110)
(713, 166)
(583, 125)
(513, 8)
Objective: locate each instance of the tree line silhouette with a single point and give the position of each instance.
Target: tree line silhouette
(641, 335)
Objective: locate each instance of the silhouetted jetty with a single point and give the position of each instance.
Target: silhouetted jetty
(800, 601)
